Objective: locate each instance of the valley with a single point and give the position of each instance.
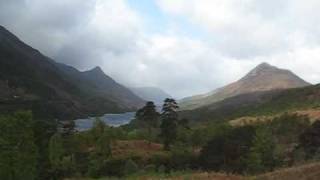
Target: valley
(59, 122)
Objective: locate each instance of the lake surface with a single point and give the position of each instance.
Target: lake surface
(110, 119)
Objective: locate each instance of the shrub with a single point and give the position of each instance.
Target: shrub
(150, 168)
(18, 151)
(95, 166)
(225, 152)
(130, 167)
(113, 167)
(160, 159)
(310, 140)
(262, 153)
(182, 158)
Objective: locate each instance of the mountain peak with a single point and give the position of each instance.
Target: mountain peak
(263, 69)
(95, 71)
(263, 77)
(265, 65)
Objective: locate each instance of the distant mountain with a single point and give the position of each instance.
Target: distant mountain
(262, 78)
(154, 94)
(257, 104)
(30, 80)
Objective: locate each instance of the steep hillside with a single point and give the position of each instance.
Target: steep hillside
(30, 80)
(258, 103)
(96, 82)
(154, 94)
(262, 78)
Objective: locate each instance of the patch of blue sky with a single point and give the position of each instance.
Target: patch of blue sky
(154, 18)
(186, 28)
(158, 22)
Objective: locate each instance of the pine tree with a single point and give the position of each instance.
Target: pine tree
(169, 124)
(18, 152)
(149, 116)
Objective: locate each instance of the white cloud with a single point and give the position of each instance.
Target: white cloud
(181, 65)
(109, 33)
(250, 28)
(112, 30)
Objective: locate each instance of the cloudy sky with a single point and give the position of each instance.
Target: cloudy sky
(183, 46)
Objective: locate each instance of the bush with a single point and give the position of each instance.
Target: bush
(288, 126)
(95, 166)
(225, 152)
(19, 153)
(150, 168)
(130, 167)
(161, 169)
(310, 140)
(114, 167)
(202, 136)
(137, 134)
(160, 159)
(182, 158)
(261, 157)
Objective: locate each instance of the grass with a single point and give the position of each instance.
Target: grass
(136, 148)
(309, 171)
(313, 114)
(305, 172)
(179, 175)
(188, 176)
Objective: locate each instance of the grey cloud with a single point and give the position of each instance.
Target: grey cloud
(109, 33)
(64, 29)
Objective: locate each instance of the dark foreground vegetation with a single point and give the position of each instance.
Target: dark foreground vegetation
(154, 143)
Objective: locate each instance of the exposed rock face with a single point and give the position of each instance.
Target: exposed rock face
(262, 78)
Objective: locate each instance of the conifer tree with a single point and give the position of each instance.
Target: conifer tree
(149, 116)
(169, 124)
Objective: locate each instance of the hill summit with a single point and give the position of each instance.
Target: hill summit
(263, 77)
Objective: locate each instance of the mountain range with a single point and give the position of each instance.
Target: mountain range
(30, 80)
(264, 77)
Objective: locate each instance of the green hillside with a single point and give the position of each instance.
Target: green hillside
(259, 103)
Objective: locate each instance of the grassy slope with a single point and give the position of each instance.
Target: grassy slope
(258, 104)
(303, 172)
(136, 148)
(176, 176)
(313, 114)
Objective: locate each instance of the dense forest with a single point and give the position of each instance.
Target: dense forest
(153, 144)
